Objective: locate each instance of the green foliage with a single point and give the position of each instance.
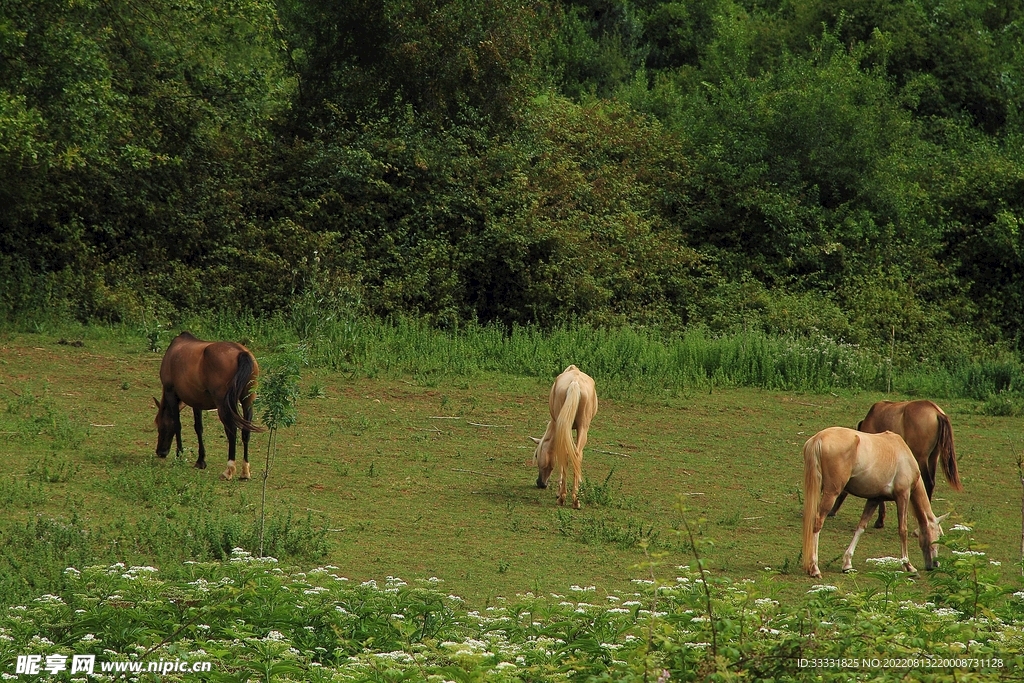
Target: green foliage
(850, 169)
(279, 390)
(593, 493)
(249, 615)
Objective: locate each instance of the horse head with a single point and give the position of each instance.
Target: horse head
(542, 458)
(167, 426)
(928, 537)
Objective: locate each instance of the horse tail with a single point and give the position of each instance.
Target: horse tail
(944, 445)
(812, 496)
(566, 454)
(240, 387)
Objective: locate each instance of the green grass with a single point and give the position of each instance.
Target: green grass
(420, 477)
(427, 475)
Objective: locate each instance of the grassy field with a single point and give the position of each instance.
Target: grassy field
(423, 477)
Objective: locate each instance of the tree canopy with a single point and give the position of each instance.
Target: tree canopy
(850, 168)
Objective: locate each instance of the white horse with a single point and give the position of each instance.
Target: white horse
(573, 404)
(927, 431)
(878, 467)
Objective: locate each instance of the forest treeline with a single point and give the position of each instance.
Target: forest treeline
(846, 168)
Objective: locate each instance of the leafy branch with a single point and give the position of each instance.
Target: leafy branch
(279, 391)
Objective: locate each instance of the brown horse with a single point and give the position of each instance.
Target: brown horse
(927, 431)
(207, 375)
(573, 404)
(874, 466)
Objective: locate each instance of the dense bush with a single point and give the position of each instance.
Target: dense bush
(851, 169)
(249, 618)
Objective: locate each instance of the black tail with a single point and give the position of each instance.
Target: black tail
(239, 388)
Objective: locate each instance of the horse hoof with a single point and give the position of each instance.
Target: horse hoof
(225, 476)
(575, 505)
(879, 525)
(201, 465)
(849, 570)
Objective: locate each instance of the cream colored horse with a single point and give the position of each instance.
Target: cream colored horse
(573, 404)
(927, 431)
(878, 467)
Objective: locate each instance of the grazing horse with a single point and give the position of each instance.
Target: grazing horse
(573, 404)
(207, 375)
(874, 466)
(927, 431)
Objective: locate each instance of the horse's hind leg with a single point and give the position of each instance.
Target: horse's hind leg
(828, 497)
(581, 441)
(247, 413)
(231, 432)
(839, 502)
(869, 509)
(201, 462)
(880, 522)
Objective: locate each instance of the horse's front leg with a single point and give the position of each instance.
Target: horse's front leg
(177, 422)
(901, 516)
(869, 509)
(198, 413)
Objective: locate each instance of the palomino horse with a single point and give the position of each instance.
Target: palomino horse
(927, 431)
(573, 404)
(207, 375)
(873, 466)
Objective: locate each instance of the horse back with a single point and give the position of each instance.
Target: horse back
(588, 395)
(199, 372)
(868, 465)
(916, 421)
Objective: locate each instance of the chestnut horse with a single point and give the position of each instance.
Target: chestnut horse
(874, 466)
(927, 431)
(573, 404)
(207, 375)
